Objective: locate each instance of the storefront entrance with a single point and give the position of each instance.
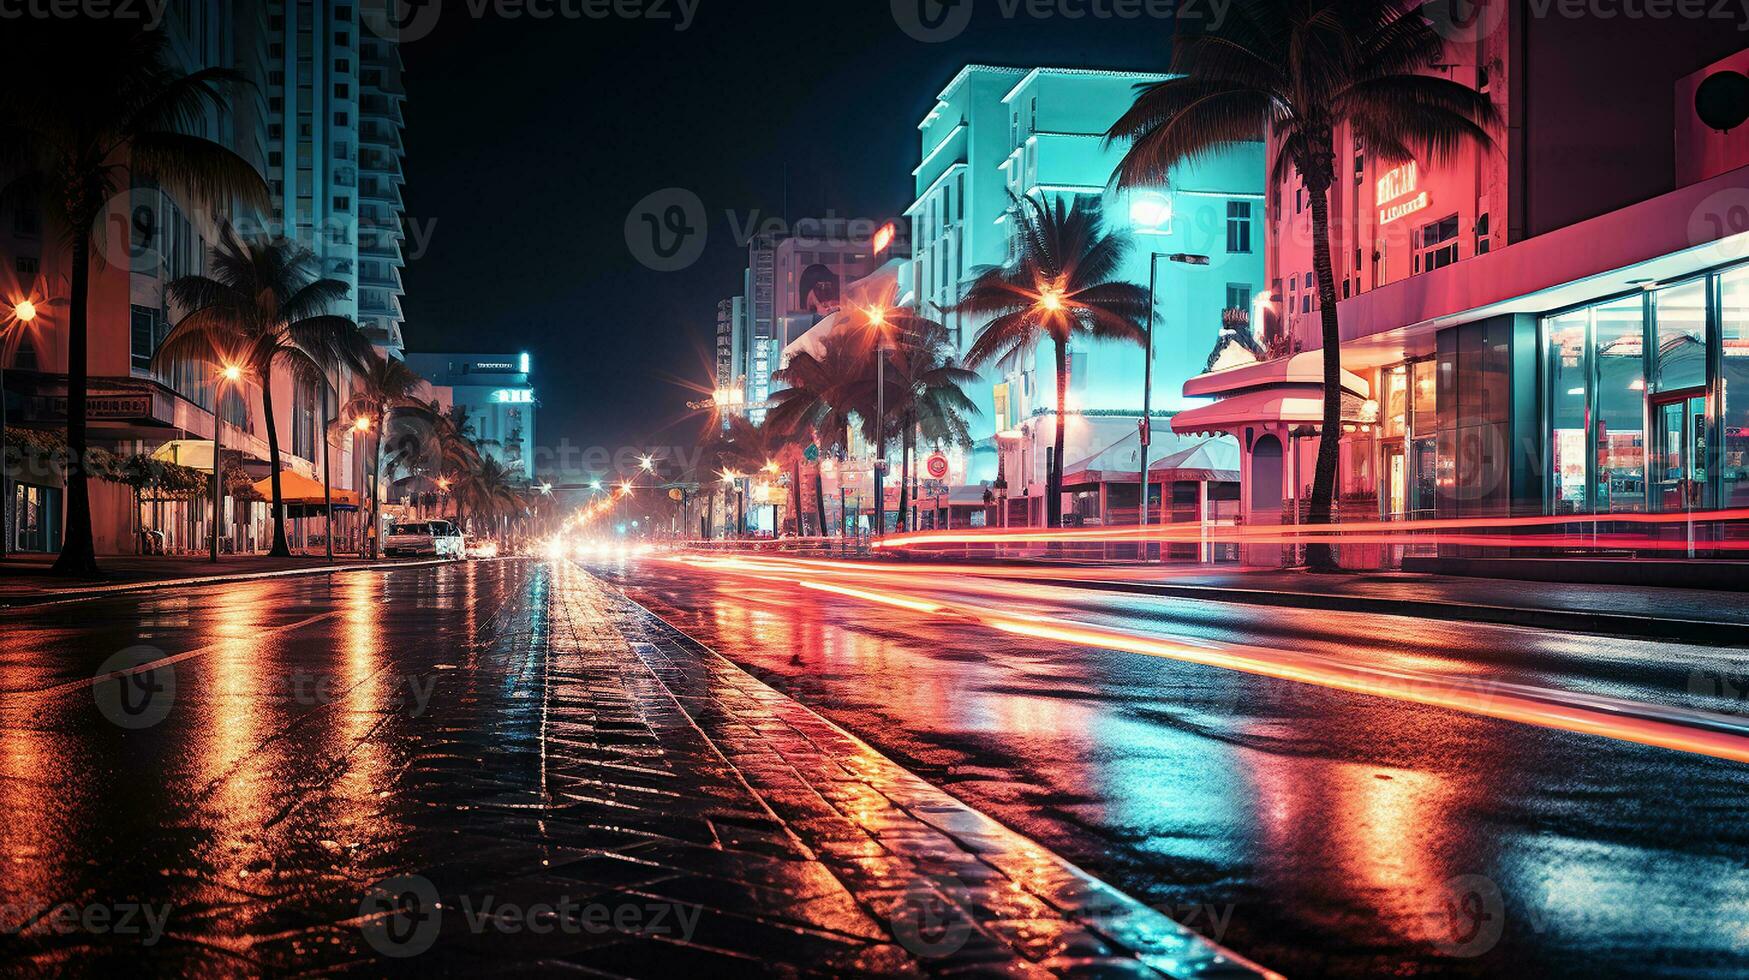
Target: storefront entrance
(1678, 474)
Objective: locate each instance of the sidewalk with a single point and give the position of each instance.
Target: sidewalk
(25, 578)
(1693, 615)
(770, 841)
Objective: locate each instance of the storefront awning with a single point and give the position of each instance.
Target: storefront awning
(1302, 369)
(1269, 409)
(295, 488)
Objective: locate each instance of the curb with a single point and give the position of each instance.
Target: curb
(88, 593)
(1172, 949)
(1708, 632)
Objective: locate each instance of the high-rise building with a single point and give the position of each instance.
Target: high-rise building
(497, 391)
(731, 360)
(334, 153)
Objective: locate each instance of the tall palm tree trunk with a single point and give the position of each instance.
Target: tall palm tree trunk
(327, 486)
(796, 485)
(281, 549)
(820, 498)
(1054, 473)
(78, 548)
(1323, 556)
(905, 475)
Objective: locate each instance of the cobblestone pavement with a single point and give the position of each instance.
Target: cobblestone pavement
(519, 770)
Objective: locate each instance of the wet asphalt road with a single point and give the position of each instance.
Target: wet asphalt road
(248, 802)
(1316, 831)
(1320, 832)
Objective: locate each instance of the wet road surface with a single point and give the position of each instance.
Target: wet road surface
(1316, 830)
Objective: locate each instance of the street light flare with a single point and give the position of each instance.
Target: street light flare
(24, 310)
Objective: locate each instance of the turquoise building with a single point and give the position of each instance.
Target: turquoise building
(1001, 131)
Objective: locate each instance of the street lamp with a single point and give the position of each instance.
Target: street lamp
(23, 311)
(647, 463)
(230, 374)
(877, 318)
(1147, 424)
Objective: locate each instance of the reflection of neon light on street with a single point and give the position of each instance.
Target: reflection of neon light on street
(1683, 730)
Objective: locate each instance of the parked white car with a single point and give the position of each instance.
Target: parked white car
(439, 539)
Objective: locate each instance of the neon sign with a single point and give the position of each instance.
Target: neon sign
(1397, 183)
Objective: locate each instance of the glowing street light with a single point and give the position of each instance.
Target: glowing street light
(228, 374)
(361, 424)
(23, 311)
(647, 463)
(595, 485)
(1050, 299)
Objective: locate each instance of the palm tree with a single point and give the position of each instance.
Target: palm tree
(1062, 286)
(263, 308)
(925, 392)
(1295, 70)
(384, 385)
(744, 448)
(823, 394)
(490, 490)
(103, 110)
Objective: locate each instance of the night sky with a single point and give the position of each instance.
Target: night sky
(529, 141)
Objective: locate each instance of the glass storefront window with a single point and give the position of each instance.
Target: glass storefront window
(1734, 387)
(1396, 401)
(1680, 360)
(1568, 354)
(1618, 363)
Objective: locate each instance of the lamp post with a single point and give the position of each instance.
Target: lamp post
(1147, 424)
(228, 375)
(877, 318)
(23, 312)
(360, 426)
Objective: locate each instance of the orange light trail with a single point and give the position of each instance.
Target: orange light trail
(1396, 531)
(1679, 729)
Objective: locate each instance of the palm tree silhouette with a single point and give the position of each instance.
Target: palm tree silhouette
(99, 109)
(1062, 286)
(925, 392)
(385, 385)
(262, 308)
(1295, 70)
(824, 393)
